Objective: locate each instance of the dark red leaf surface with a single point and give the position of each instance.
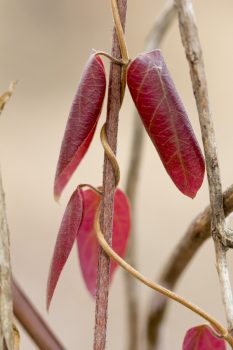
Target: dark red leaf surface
(66, 236)
(201, 338)
(82, 121)
(88, 246)
(166, 121)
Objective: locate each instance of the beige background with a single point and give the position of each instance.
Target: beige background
(45, 44)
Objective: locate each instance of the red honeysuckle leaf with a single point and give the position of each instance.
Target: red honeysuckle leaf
(166, 121)
(82, 121)
(88, 247)
(66, 236)
(201, 338)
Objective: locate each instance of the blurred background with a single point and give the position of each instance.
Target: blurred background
(45, 44)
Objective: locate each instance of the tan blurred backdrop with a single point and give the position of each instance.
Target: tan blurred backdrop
(45, 44)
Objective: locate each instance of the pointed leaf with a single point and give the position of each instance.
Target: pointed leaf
(88, 247)
(166, 121)
(201, 338)
(66, 236)
(82, 121)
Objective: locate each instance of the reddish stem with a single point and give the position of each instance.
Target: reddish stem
(114, 103)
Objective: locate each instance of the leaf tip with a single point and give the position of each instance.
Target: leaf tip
(48, 301)
(56, 197)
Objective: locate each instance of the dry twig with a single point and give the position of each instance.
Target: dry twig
(220, 234)
(6, 311)
(32, 321)
(6, 308)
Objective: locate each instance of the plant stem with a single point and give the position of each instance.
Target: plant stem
(6, 308)
(32, 321)
(153, 41)
(155, 286)
(197, 233)
(220, 234)
(114, 103)
(120, 31)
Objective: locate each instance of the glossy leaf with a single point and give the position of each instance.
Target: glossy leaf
(88, 247)
(166, 121)
(82, 121)
(66, 236)
(201, 338)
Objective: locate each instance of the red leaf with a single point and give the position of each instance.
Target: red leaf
(201, 338)
(88, 246)
(166, 121)
(82, 121)
(66, 236)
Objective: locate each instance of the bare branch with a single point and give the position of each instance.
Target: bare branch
(6, 309)
(153, 40)
(191, 42)
(32, 321)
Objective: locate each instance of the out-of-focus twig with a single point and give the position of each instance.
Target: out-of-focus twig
(153, 41)
(32, 321)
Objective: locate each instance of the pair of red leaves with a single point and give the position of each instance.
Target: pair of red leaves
(161, 111)
(78, 224)
(167, 124)
(202, 338)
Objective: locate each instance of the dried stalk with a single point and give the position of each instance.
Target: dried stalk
(153, 41)
(220, 234)
(32, 321)
(114, 103)
(6, 309)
